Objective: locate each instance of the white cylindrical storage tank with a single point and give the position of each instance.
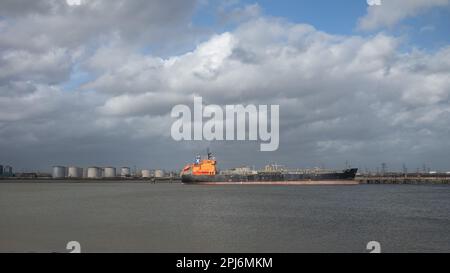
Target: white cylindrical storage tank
(75, 172)
(125, 172)
(94, 172)
(59, 172)
(159, 173)
(109, 172)
(146, 174)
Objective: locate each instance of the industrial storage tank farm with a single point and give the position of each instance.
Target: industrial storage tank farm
(125, 172)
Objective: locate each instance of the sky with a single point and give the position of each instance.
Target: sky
(93, 82)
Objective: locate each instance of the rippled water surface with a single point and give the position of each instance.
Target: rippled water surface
(115, 217)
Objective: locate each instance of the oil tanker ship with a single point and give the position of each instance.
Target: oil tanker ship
(205, 172)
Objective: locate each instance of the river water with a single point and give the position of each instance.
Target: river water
(132, 217)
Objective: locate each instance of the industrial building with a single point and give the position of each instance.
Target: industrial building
(159, 173)
(8, 171)
(146, 174)
(125, 172)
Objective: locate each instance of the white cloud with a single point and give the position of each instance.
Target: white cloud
(232, 14)
(50, 67)
(390, 12)
(73, 2)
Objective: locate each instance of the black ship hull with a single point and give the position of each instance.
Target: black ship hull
(332, 178)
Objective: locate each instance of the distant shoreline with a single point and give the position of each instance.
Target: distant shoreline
(360, 180)
(19, 180)
(414, 180)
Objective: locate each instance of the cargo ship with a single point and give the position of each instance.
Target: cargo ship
(205, 172)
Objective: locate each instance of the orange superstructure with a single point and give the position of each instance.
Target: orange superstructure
(206, 167)
(201, 167)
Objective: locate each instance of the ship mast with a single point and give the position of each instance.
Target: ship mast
(209, 154)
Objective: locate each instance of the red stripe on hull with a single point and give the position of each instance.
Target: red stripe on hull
(303, 183)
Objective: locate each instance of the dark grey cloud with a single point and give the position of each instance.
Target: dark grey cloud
(49, 23)
(16, 8)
